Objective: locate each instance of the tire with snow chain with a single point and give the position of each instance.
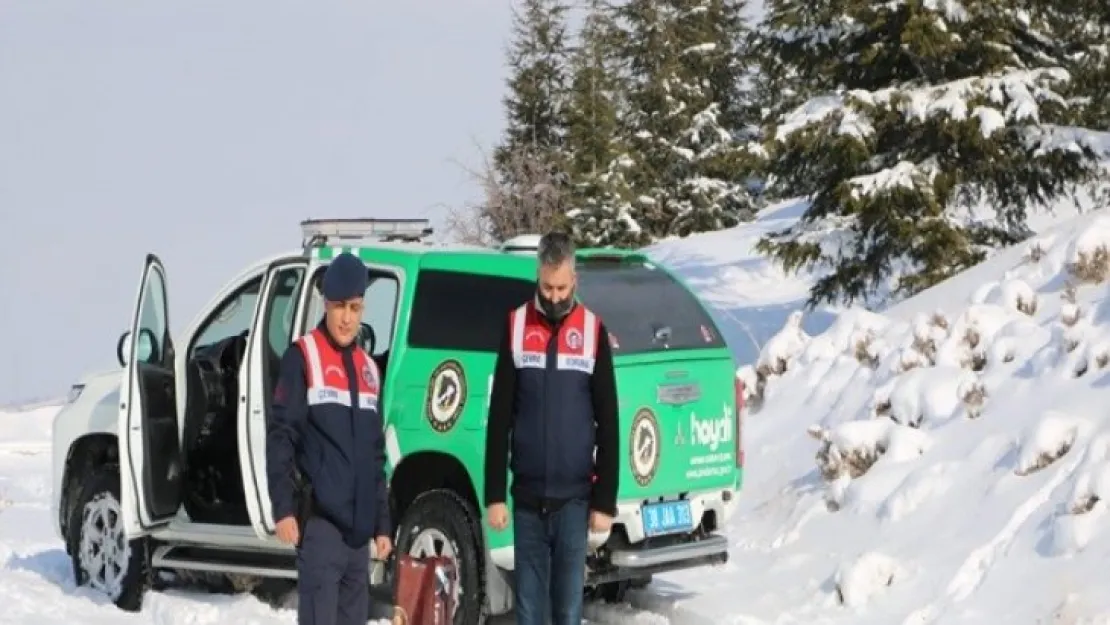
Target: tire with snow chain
(102, 557)
(441, 523)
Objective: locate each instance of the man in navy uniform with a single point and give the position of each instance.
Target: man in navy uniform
(555, 398)
(325, 456)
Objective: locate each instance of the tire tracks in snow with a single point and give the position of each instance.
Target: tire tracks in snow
(975, 568)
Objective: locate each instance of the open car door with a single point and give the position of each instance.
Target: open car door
(151, 472)
(275, 326)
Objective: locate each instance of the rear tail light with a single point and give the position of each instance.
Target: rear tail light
(739, 390)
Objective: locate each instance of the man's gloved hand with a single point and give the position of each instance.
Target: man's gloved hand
(287, 531)
(600, 522)
(498, 516)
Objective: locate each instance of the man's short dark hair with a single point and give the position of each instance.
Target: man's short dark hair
(554, 249)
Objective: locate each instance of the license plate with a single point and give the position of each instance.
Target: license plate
(668, 517)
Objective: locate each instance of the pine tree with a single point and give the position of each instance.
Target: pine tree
(686, 168)
(1080, 36)
(919, 114)
(719, 164)
(536, 104)
(596, 149)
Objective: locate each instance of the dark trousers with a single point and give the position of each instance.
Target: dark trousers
(550, 563)
(333, 579)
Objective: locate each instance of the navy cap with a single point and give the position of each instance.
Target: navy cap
(345, 278)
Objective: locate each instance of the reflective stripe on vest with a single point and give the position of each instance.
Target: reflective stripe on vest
(327, 377)
(577, 348)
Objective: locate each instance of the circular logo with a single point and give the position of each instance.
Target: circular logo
(574, 339)
(446, 396)
(367, 376)
(643, 448)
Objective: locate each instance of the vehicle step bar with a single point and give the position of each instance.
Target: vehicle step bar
(192, 558)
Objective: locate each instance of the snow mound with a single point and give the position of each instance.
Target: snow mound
(865, 577)
(966, 443)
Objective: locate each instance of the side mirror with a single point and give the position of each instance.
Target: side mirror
(123, 348)
(146, 346)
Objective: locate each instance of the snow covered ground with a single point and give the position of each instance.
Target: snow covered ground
(944, 462)
(939, 468)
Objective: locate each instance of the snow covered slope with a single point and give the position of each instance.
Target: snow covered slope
(949, 468)
(751, 297)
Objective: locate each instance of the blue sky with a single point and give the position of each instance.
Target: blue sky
(204, 131)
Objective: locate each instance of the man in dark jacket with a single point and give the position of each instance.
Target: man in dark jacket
(554, 396)
(325, 456)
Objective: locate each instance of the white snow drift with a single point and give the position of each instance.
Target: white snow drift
(962, 455)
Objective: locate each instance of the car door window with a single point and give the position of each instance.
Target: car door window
(277, 321)
(232, 317)
(281, 307)
(381, 303)
(443, 298)
(153, 331)
(379, 311)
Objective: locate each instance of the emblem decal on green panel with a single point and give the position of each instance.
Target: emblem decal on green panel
(446, 396)
(643, 446)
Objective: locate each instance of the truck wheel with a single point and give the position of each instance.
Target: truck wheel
(102, 556)
(440, 523)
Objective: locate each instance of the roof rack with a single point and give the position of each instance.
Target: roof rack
(322, 232)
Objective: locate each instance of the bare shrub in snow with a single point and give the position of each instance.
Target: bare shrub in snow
(1071, 341)
(754, 384)
(777, 354)
(1027, 305)
(1091, 266)
(975, 358)
(938, 320)
(1070, 312)
(754, 401)
(1002, 350)
(1095, 354)
(858, 581)
(928, 332)
(1034, 252)
(1053, 436)
(973, 396)
(911, 359)
(1085, 504)
(924, 395)
(865, 351)
(1045, 458)
(1081, 368)
(835, 462)
(1091, 484)
(971, 337)
(925, 344)
(783, 347)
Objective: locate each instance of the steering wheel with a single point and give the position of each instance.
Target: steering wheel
(366, 338)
